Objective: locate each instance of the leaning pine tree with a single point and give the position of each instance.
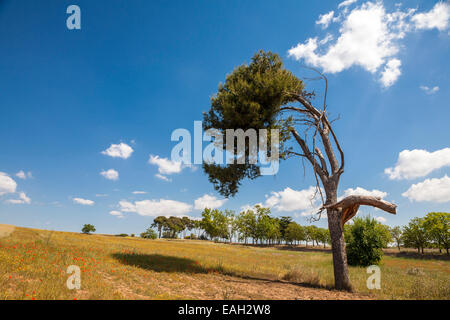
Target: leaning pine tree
(264, 95)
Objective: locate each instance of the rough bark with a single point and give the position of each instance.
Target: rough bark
(340, 266)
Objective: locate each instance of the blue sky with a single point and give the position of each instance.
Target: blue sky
(137, 70)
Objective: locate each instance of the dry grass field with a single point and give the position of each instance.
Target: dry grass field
(33, 266)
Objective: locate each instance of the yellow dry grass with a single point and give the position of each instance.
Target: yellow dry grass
(33, 265)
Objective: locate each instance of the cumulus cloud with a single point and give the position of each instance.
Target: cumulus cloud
(292, 200)
(430, 190)
(116, 213)
(437, 17)
(23, 199)
(358, 191)
(325, 19)
(7, 184)
(121, 150)
(368, 37)
(84, 202)
(429, 90)
(418, 163)
(152, 208)
(208, 201)
(165, 166)
(110, 174)
(391, 72)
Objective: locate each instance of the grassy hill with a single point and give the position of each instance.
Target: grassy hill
(33, 265)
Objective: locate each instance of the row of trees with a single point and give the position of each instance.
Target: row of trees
(259, 227)
(255, 225)
(431, 231)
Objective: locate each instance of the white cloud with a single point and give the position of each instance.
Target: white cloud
(21, 175)
(121, 150)
(7, 184)
(116, 213)
(291, 200)
(24, 175)
(380, 219)
(438, 17)
(429, 90)
(366, 39)
(163, 177)
(23, 199)
(325, 19)
(152, 208)
(418, 163)
(84, 202)
(346, 3)
(368, 36)
(110, 174)
(431, 190)
(391, 72)
(165, 166)
(139, 192)
(208, 201)
(358, 191)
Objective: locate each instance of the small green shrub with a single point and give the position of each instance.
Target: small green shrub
(122, 235)
(365, 243)
(149, 234)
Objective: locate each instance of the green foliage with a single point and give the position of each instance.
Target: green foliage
(250, 98)
(364, 247)
(159, 222)
(214, 223)
(385, 233)
(415, 235)
(284, 223)
(171, 227)
(295, 232)
(149, 234)
(122, 235)
(246, 224)
(437, 226)
(396, 234)
(88, 228)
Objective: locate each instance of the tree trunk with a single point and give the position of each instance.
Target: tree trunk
(341, 279)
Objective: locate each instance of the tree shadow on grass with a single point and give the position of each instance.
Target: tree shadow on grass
(163, 263)
(159, 263)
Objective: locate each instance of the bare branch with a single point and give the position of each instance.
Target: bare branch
(349, 206)
(322, 160)
(309, 155)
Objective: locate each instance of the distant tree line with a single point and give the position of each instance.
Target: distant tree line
(257, 226)
(431, 231)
